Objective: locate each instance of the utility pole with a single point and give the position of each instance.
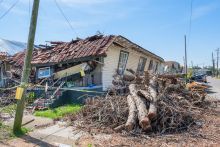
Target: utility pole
(213, 65)
(192, 67)
(217, 60)
(186, 72)
(26, 67)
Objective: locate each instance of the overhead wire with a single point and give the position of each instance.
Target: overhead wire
(65, 17)
(10, 8)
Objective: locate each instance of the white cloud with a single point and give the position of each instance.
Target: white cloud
(203, 10)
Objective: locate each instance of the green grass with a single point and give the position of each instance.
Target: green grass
(6, 132)
(59, 112)
(10, 109)
(22, 132)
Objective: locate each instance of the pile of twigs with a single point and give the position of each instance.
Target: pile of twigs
(6, 97)
(161, 104)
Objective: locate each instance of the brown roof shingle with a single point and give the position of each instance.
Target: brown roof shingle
(66, 51)
(76, 50)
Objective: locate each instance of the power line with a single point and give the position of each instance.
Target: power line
(67, 20)
(6, 12)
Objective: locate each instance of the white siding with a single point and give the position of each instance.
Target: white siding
(111, 63)
(110, 66)
(133, 59)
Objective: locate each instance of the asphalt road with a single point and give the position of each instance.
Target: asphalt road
(214, 90)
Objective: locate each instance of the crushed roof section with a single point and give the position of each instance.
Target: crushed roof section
(75, 50)
(64, 52)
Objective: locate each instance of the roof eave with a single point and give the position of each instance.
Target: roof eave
(143, 50)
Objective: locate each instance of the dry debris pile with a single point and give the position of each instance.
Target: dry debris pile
(6, 97)
(154, 103)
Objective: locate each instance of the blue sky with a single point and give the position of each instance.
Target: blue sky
(157, 25)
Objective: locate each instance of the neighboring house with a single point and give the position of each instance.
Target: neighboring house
(172, 67)
(90, 62)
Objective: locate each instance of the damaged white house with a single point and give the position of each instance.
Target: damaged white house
(89, 62)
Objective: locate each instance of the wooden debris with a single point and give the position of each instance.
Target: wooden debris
(132, 116)
(153, 103)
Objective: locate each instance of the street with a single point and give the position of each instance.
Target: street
(214, 90)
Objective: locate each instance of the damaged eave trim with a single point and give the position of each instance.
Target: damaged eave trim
(141, 48)
(118, 44)
(82, 59)
(137, 49)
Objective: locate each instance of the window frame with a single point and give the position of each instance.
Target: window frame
(150, 67)
(156, 66)
(141, 68)
(125, 64)
(46, 76)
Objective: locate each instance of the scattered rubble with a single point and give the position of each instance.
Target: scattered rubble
(150, 104)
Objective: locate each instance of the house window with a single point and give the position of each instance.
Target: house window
(44, 72)
(156, 68)
(141, 64)
(122, 62)
(150, 65)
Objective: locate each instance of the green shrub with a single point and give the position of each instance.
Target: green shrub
(59, 112)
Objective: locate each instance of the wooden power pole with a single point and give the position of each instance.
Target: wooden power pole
(213, 65)
(186, 72)
(26, 67)
(217, 60)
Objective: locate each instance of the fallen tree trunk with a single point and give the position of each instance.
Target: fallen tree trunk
(153, 88)
(132, 114)
(152, 111)
(140, 102)
(144, 94)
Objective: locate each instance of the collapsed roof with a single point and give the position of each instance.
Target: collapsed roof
(77, 50)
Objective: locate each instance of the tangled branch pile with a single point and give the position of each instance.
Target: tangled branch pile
(6, 97)
(154, 103)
